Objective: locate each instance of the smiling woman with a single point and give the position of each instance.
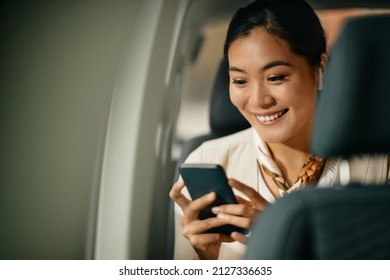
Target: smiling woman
(272, 87)
(276, 51)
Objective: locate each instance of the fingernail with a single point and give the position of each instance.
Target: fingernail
(221, 216)
(215, 210)
(210, 196)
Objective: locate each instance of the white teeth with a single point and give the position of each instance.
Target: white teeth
(270, 117)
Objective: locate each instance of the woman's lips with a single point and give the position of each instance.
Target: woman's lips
(271, 117)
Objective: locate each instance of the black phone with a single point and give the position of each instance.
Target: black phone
(201, 179)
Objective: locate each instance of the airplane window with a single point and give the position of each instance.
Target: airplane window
(197, 84)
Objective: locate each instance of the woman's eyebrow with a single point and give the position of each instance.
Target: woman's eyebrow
(236, 69)
(275, 63)
(264, 68)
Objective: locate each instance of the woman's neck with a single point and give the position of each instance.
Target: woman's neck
(290, 158)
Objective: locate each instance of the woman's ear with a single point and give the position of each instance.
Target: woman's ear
(323, 62)
(321, 70)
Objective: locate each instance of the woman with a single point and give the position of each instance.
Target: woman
(277, 55)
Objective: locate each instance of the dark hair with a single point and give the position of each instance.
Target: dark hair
(293, 21)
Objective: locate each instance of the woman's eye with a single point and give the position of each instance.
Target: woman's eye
(276, 78)
(239, 82)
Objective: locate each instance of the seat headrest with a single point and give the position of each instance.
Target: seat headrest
(224, 116)
(353, 114)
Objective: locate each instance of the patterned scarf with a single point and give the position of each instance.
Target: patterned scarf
(310, 171)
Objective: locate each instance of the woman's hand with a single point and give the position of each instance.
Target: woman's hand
(245, 212)
(206, 245)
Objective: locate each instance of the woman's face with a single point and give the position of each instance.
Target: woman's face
(273, 88)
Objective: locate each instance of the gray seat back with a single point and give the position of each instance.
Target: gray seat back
(342, 222)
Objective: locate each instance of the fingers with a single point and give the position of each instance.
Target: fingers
(205, 240)
(205, 244)
(200, 226)
(240, 221)
(243, 201)
(243, 214)
(236, 209)
(191, 211)
(177, 195)
(195, 230)
(256, 199)
(190, 222)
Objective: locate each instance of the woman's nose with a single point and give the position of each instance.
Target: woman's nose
(261, 97)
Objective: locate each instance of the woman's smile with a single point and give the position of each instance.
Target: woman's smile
(269, 118)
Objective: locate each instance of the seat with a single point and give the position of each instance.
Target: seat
(224, 119)
(349, 220)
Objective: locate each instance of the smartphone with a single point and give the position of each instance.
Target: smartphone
(201, 179)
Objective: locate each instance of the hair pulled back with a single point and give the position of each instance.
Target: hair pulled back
(293, 21)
